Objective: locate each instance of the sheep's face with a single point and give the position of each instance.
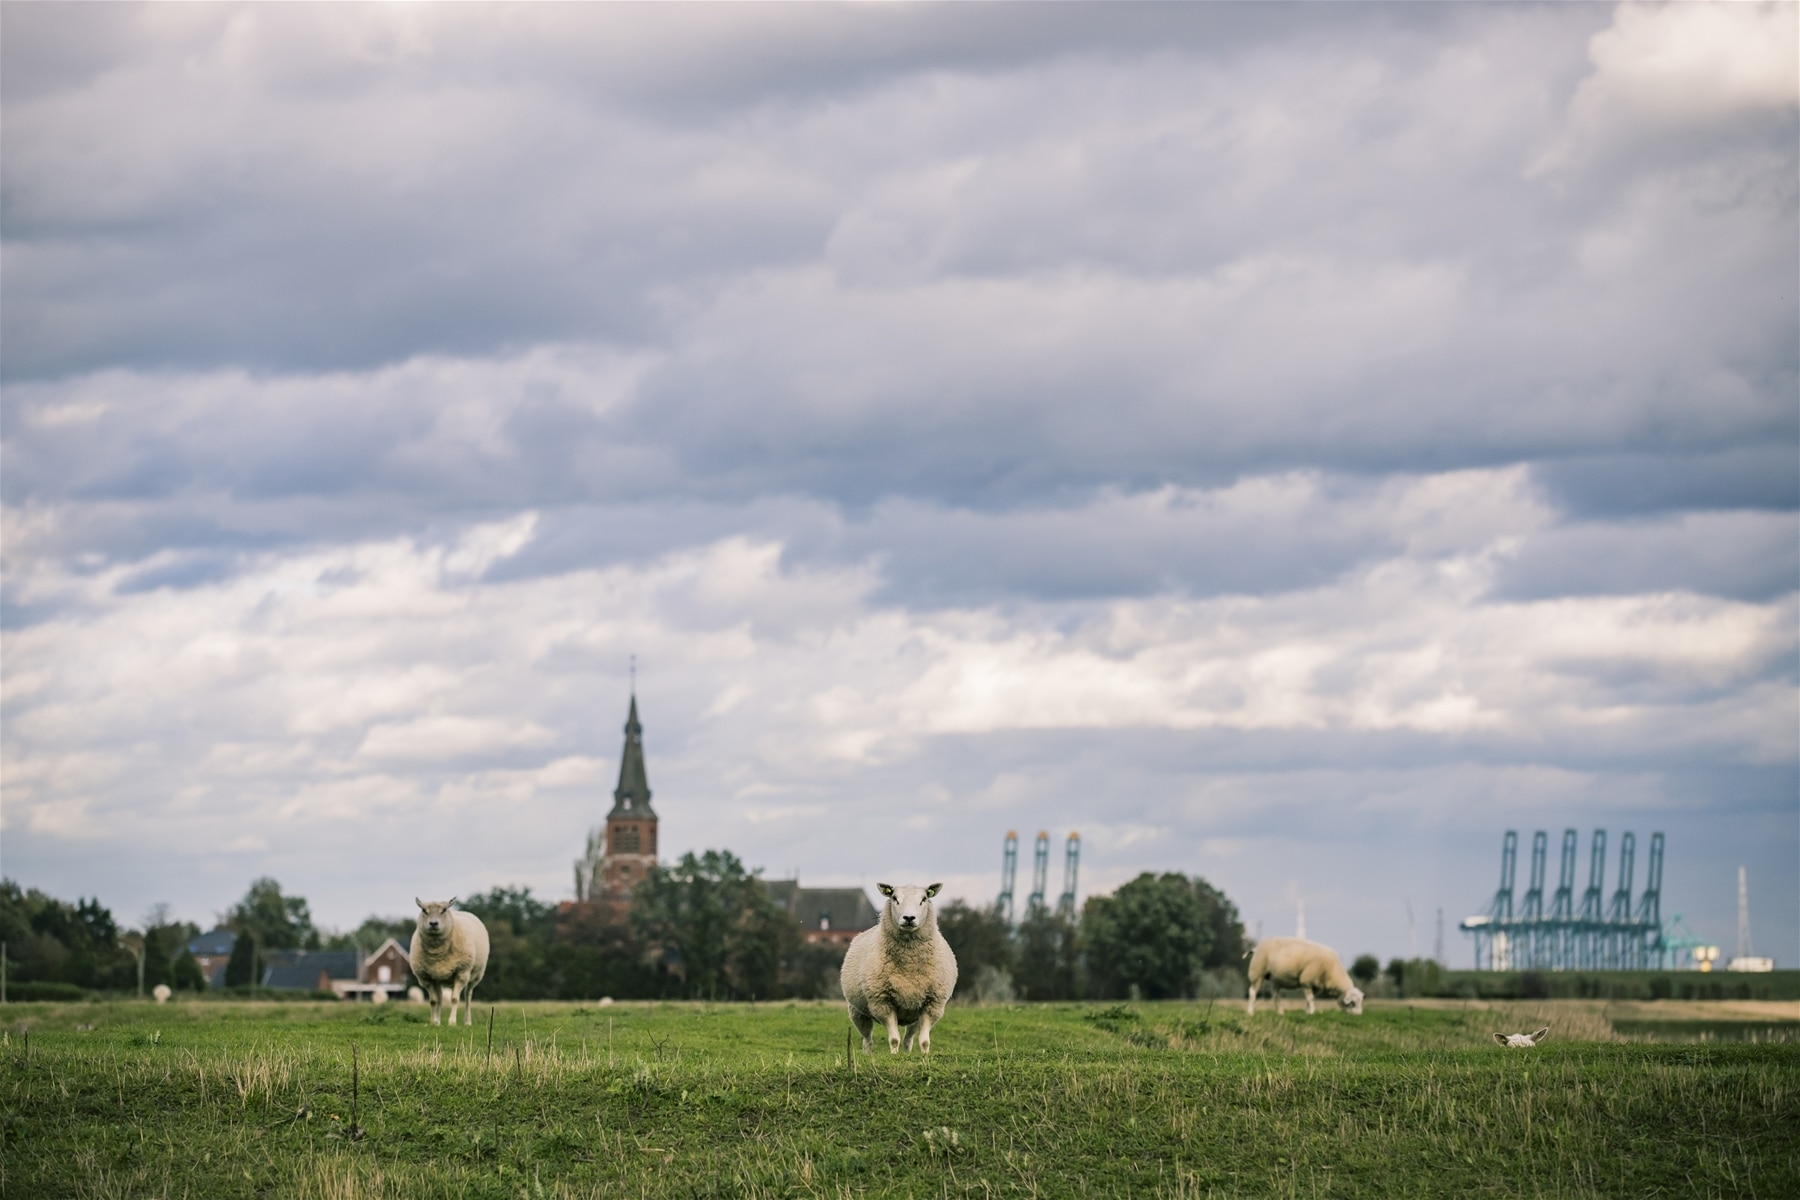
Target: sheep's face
(1351, 1001)
(909, 905)
(434, 917)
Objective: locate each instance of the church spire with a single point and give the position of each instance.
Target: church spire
(632, 796)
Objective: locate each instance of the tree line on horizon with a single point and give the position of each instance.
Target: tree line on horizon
(702, 927)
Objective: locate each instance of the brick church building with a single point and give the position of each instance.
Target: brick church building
(621, 852)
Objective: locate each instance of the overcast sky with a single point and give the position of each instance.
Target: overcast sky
(1290, 445)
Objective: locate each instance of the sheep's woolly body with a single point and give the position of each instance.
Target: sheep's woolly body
(451, 958)
(899, 974)
(1298, 963)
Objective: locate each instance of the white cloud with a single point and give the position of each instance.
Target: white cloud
(1679, 68)
(1198, 431)
(449, 739)
(1694, 63)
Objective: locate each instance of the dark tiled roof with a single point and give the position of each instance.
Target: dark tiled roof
(298, 970)
(823, 908)
(632, 797)
(219, 941)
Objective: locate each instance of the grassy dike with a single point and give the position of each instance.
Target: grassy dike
(258, 1099)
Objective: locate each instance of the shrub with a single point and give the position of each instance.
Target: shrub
(25, 992)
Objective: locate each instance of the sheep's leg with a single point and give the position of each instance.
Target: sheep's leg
(1275, 990)
(893, 1024)
(911, 1038)
(865, 1024)
(924, 1035)
(1251, 1006)
(455, 993)
(437, 1000)
(1309, 1006)
(469, 1006)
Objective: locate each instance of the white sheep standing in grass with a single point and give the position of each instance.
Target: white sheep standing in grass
(1297, 963)
(901, 972)
(449, 954)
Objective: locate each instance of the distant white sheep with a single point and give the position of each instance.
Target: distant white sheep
(901, 972)
(449, 954)
(1521, 1041)
(162, 993)
(1297, 963)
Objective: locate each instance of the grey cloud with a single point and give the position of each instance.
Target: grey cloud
(842, 353)
(1750, 556)
(183, 571)
(1119, 546)
(998, 304)
(1765, 476)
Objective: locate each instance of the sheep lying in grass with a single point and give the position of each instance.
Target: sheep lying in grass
(1521, 1041)
(901, 972)
(449, 954)
(1297, 963)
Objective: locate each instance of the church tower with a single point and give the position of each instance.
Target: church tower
(622, 852)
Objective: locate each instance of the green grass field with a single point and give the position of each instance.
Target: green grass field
(207, 1099)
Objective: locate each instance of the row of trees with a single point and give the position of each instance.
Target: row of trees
(705, 928)
(1157, 937)
(701, 928)
(82, 946)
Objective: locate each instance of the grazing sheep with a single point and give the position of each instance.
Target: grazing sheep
(162, 993)
(1296, 962)
(901, 972)
(1521, 1041)
(449, 953)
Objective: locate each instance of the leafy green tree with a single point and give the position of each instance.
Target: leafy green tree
(1365, 969)
(157, 966)
(597, 957)
(53, 941)
(1047, 955)
(811, 970)
(1228, 942)
(185, 974)
(716, 924)
(1414, 977)
(276, 921)
(1154, 933)
(979, 938)
(370, 934)
(241, 967)
(170, 942)
(520, 928)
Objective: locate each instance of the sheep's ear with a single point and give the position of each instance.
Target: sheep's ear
(885, 890)
(1501, 1038)
(932, 890)
(1539, 1035)
(420, 903)
(451, 901)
